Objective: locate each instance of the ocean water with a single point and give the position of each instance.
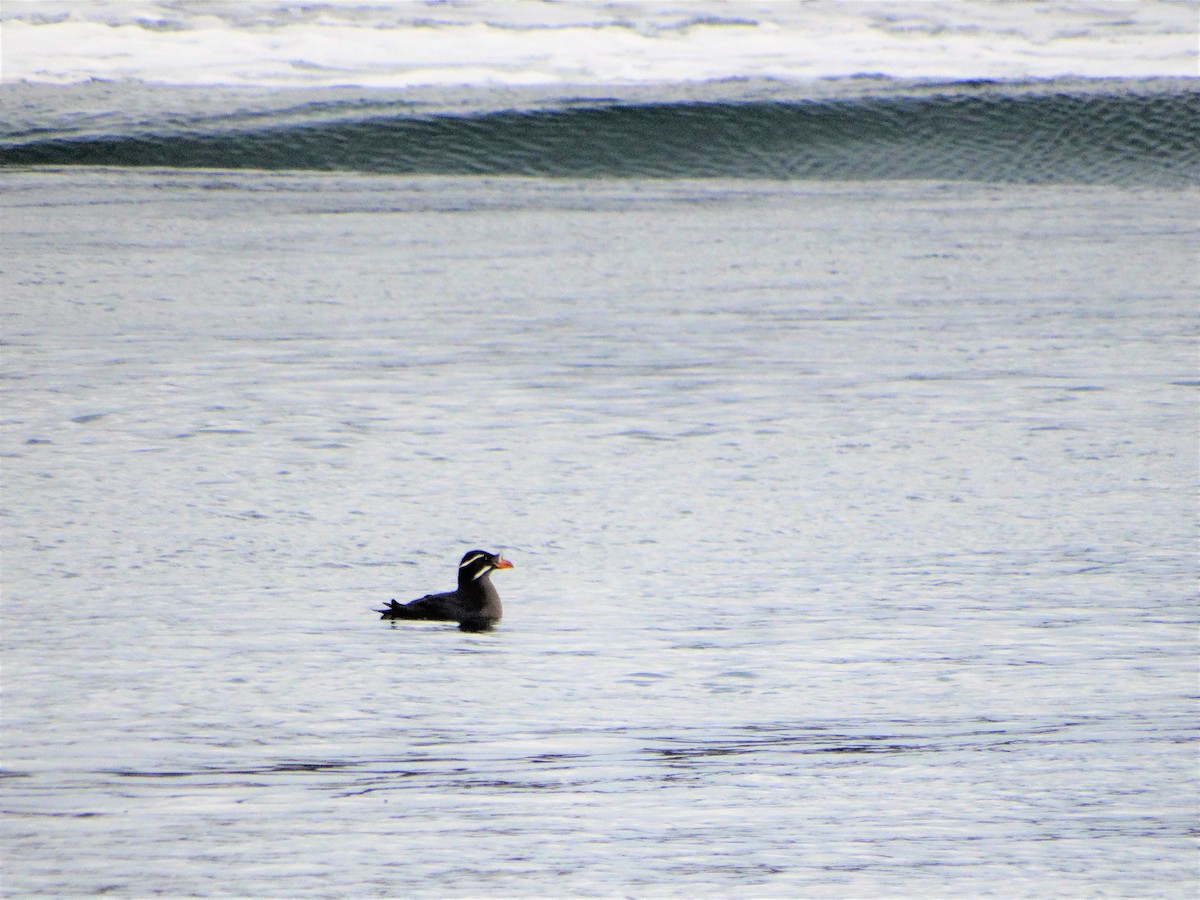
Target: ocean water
(828, 372)
(1057, 93)
(852, 528)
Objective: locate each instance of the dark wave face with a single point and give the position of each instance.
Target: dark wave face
(1140, 134)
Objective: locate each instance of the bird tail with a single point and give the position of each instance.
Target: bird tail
(392, 611)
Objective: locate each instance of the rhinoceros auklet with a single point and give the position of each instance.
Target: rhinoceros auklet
(475, 606)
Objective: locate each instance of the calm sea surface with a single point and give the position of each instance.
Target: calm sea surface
(853, 529)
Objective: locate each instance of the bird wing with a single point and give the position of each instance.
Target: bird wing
(446, 607)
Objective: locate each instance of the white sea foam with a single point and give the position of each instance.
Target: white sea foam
(529, 42)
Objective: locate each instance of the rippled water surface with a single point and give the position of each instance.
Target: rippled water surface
(853, 530)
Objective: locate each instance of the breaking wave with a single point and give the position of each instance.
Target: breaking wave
(1131, 133)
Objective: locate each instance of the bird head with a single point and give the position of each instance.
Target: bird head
(477, 563)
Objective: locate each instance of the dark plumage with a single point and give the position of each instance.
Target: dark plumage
(475, 606)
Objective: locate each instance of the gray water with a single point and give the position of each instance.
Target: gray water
(853, 531)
